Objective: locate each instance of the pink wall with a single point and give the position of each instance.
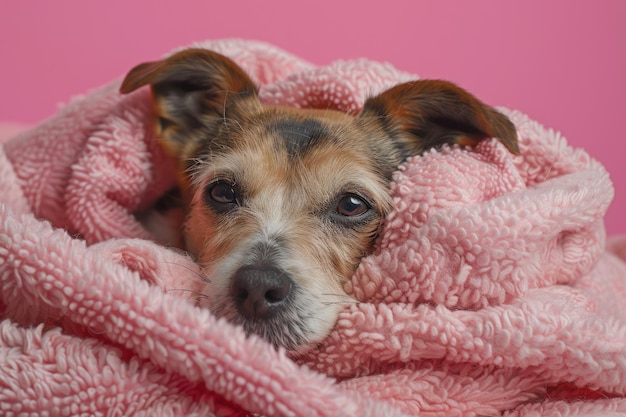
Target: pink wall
(562, 62)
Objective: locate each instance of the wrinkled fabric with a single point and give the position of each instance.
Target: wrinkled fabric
(491, 290)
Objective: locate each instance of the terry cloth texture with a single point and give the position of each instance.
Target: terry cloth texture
(491, 291)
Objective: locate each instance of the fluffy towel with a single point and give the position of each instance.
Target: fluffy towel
(491, 290)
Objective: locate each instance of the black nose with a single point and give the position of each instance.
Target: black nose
(259, 292)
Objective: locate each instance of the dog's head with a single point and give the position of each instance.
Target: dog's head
(282, 203)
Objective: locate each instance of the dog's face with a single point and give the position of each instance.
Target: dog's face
(283, 203)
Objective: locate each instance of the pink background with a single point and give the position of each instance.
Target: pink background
(562, 62)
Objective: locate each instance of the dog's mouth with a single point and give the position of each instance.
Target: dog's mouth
(280, 331)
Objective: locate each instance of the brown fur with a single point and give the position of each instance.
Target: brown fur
(292, 199)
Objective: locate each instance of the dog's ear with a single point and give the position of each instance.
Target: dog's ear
(191, 89)
(425, 114)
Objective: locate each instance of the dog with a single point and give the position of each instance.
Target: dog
(281, 204)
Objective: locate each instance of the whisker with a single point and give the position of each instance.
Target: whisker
(196, 293)
(236, 122)
(227, 119)
(331, 294)
(331, 303)
(199, 275)
(312, 317)
(311, 268)
(340, 300)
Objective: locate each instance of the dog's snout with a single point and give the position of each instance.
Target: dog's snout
(259, 292)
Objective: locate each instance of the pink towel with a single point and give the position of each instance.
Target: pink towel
(491, 290)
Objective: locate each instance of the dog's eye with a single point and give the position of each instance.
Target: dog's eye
(351, 205)
(221, 195)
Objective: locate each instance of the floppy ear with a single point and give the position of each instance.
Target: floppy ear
(191, 89)
(425, 114)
